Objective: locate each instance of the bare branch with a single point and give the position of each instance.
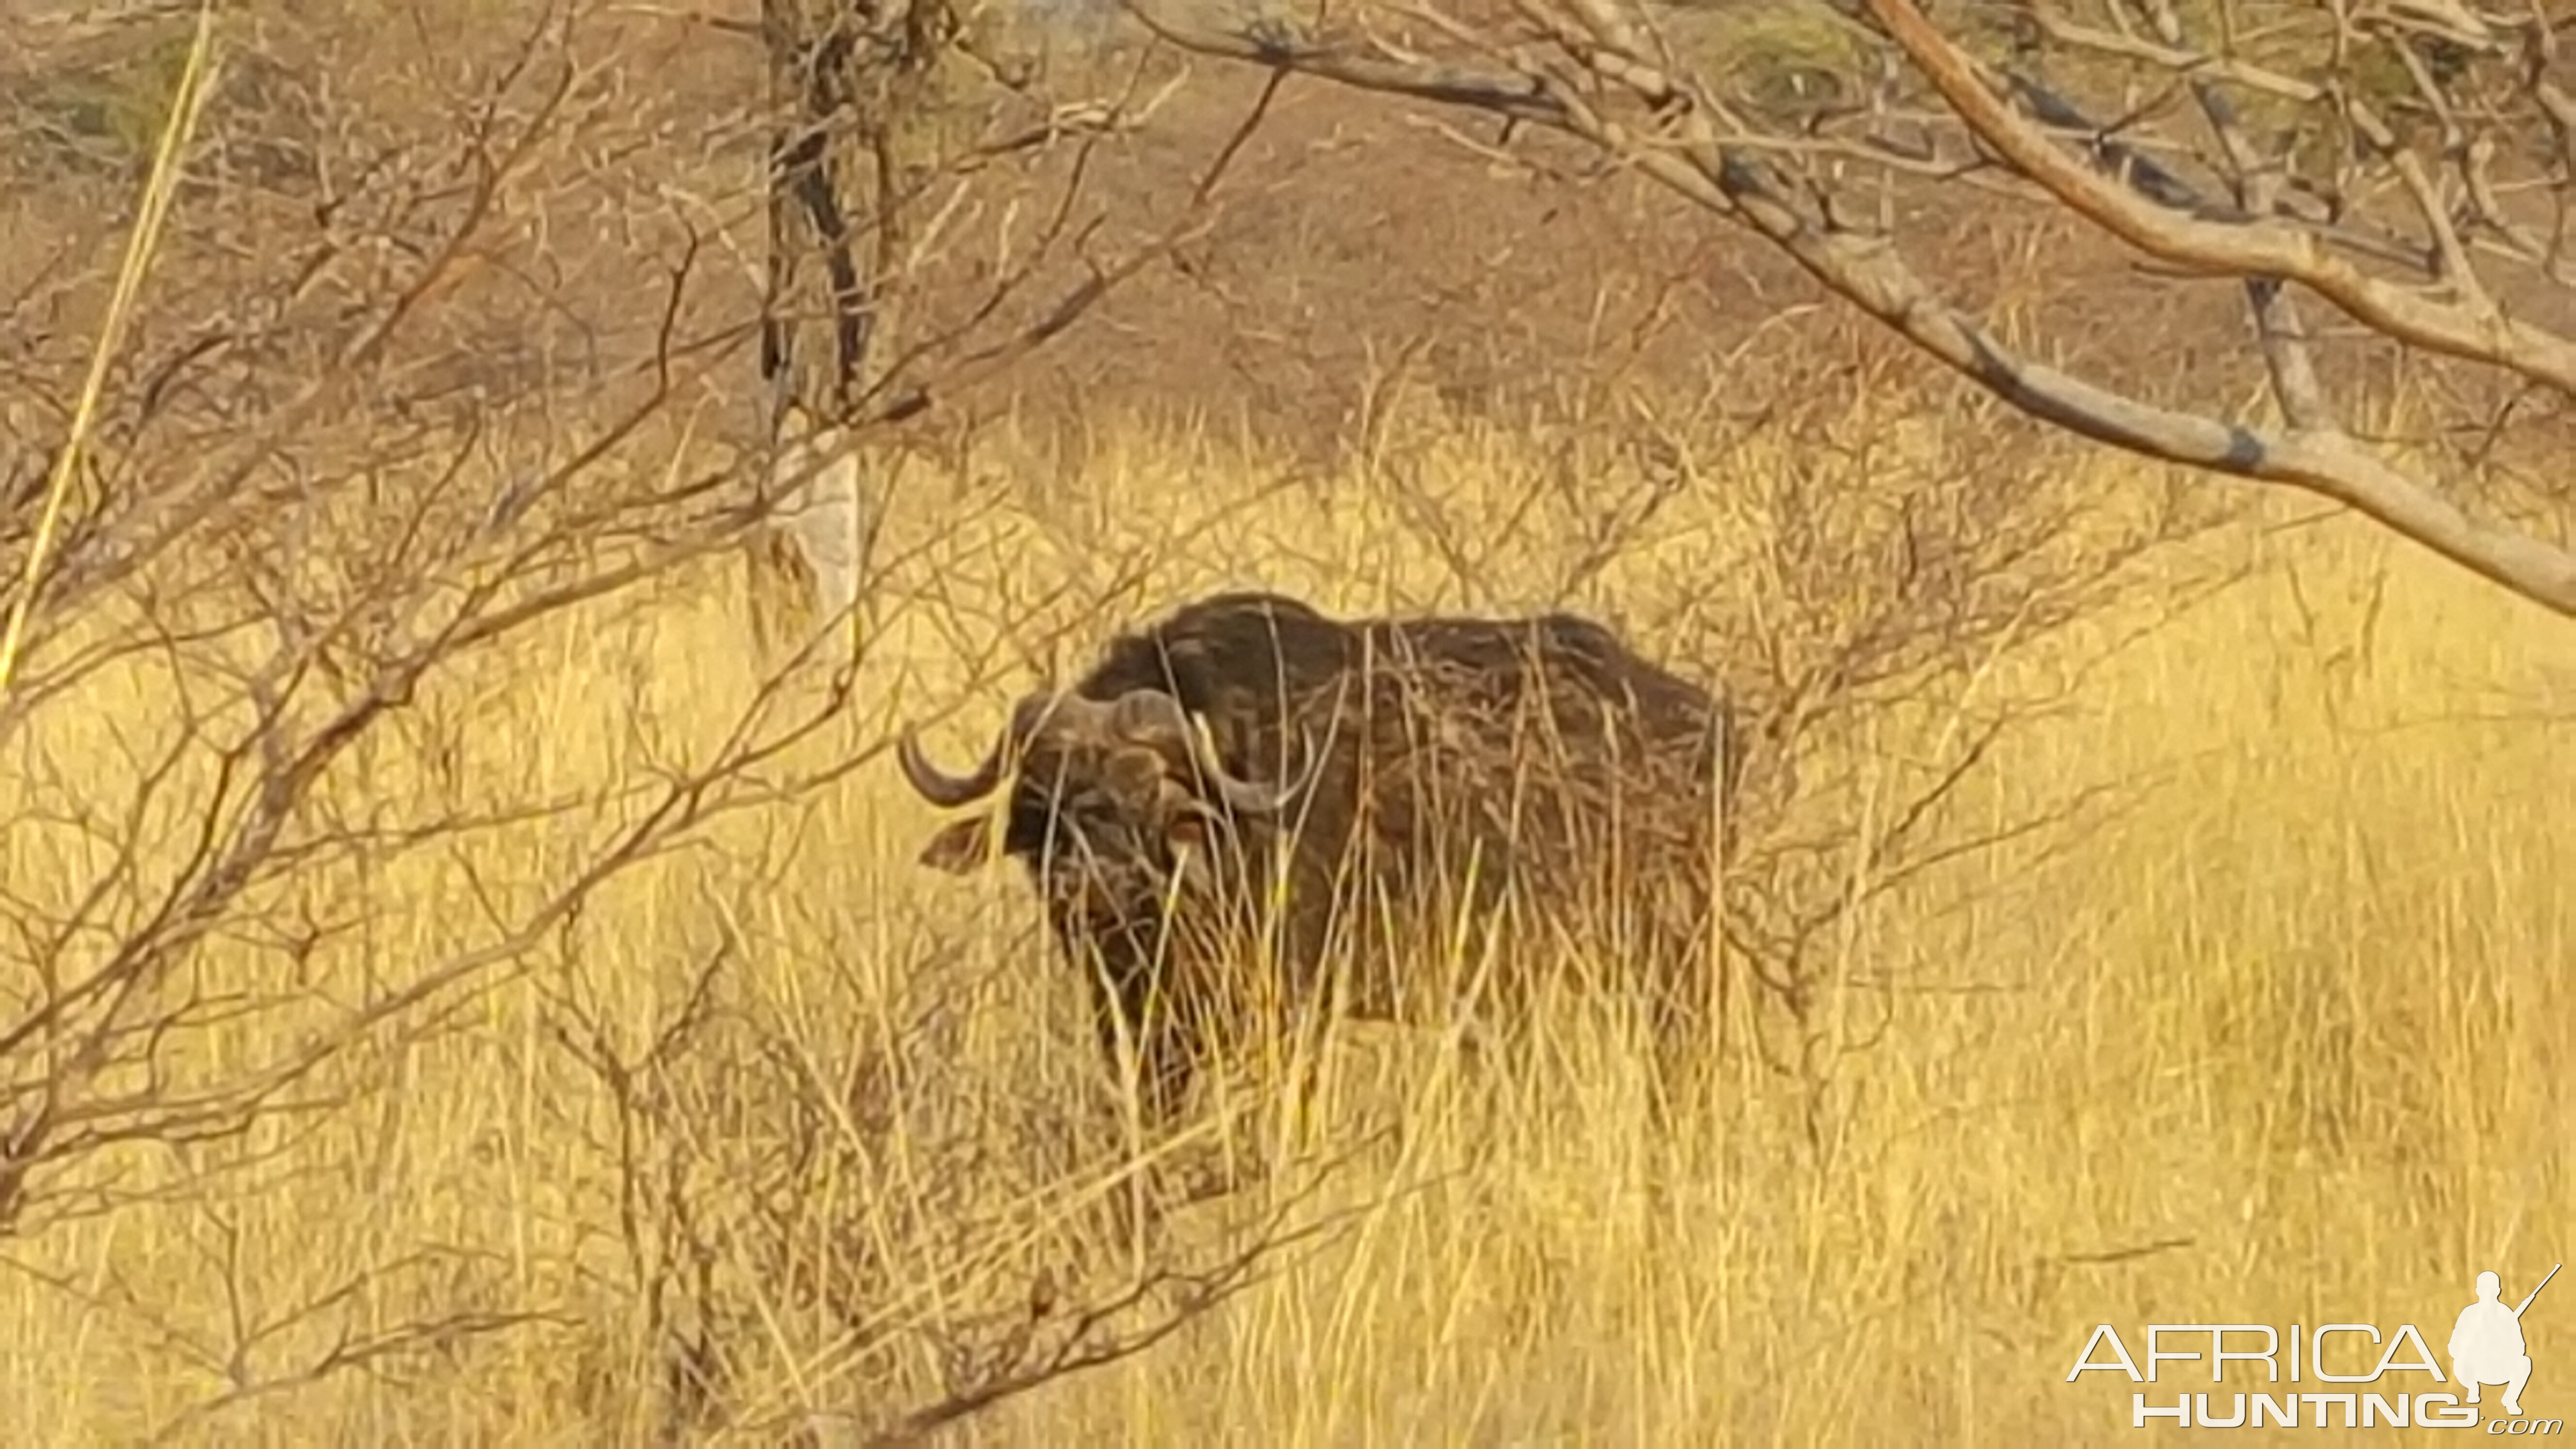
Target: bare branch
(1682, 149)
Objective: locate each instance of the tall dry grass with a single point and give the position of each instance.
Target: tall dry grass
(2289, 1044)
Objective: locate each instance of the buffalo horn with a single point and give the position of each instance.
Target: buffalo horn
(1150, 715)
(1034, 711)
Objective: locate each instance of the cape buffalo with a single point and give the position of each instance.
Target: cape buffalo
(1250, 806)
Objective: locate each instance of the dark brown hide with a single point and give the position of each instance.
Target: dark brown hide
(1365, 794)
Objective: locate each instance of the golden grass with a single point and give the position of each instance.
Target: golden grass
(2299, 1029)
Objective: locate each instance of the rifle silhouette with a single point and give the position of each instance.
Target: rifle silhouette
(2535, 1291)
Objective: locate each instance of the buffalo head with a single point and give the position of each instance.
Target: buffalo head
(1113, 799)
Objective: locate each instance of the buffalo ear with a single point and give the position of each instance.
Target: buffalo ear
(961, 848)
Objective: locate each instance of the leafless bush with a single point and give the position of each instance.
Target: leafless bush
(359, 428)
(854, 1225)
(1806, 539)
(1896, 582)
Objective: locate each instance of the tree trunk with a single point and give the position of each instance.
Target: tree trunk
(851, 83)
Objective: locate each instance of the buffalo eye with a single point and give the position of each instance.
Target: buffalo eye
(1134, 775)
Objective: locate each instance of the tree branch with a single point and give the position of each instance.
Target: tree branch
(1683, 153)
